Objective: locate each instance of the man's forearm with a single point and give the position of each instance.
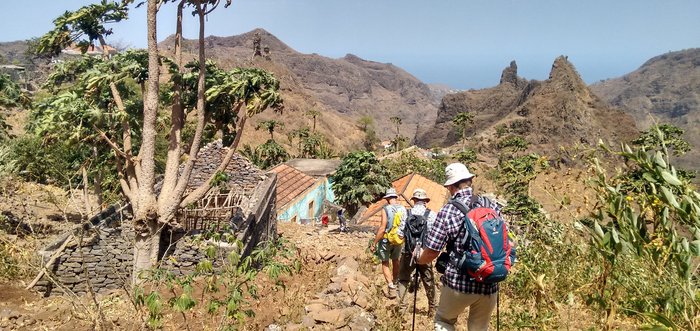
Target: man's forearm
(427, 255)
(379, 236)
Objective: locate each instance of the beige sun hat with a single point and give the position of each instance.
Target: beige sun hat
(391, 193)
(456, 172)
(420, 194)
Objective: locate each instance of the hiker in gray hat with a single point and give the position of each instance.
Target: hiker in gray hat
(417, 225)
(386, 251)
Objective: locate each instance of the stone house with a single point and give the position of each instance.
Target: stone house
(304, 189)
(98, 255)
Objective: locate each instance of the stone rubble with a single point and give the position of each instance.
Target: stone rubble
(345, 302)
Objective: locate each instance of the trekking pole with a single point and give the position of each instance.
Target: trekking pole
(415, 298)
(414, 263)
(498, 311)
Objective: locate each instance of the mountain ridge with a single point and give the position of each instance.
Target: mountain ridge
(558, 111)
(665, 89)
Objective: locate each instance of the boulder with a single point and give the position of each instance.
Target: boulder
(347, 266)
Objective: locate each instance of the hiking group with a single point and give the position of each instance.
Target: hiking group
(469, 239)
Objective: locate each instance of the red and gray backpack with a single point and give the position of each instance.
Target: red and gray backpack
(488, 252)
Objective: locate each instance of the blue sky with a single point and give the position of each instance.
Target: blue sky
(462, 43)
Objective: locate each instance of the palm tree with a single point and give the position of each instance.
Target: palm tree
(299, 134)
(313, 113)
(462, 121)
(397, 121)
(270, 126)
(365, 122)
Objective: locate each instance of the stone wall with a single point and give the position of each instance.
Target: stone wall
(100, 252)
(183, 253)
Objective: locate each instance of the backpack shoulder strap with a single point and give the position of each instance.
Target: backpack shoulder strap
(471, 232)
(460, 205)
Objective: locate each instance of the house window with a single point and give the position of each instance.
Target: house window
(311, 209)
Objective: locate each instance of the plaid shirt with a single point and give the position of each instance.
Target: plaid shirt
(447, 230)
(418, 209)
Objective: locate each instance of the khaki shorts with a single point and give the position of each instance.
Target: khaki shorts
(386, 251)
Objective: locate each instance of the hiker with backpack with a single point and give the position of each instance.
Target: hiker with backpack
(388, 241)
(479, 253)
(417, 224)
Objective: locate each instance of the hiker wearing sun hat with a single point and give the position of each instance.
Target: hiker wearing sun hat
(417, 225)
(460, 290)
(387, 252)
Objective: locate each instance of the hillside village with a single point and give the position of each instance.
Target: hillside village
(123, 207)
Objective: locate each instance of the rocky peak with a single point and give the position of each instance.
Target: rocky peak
(510, 74)
(564, 75)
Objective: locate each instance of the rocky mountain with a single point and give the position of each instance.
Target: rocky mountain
(559, 111)
(342, 89)
(665, 89)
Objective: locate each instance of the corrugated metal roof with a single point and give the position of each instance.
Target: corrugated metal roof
(291, 183)
(405, 186)
(315, 167)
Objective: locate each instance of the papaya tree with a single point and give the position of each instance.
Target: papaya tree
(246, 92)
(648, 210)
(462, 121)
(269, 126)
(11, 95)
(313, 113)
(359, 180)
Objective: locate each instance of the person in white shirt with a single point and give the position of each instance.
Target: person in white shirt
(418, 223)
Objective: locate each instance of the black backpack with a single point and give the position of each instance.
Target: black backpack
(415, 229)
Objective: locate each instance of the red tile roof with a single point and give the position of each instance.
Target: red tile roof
(291, 183)
(404, 186)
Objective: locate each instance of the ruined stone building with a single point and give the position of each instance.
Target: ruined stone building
(99, 253)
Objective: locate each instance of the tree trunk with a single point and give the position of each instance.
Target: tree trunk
(98, 180)
(86, 194)
(150, 112)
(146, 249)
(178, 119)
(146, 215)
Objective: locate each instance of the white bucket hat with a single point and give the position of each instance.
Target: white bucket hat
(420, 194)
(456, 172)
(390, 193)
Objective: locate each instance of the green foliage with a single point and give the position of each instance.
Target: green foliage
(359, 180)
(501, 130)
(651, 213)
(313, 114)
(11, 95)
(220, 179)
(226, 91)
(269, 126)
(227, 279)
(408, 162)
(267, 155)
(370, 140)
(82, 27)
(462, 121)
(365, 122)
(32, 160)
(513, 144)
(9, 266)
(466, 156)
(513, 178)
(311, 144)
(672, 139)
(399, 142)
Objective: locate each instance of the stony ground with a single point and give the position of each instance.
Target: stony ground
(340, 287)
